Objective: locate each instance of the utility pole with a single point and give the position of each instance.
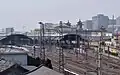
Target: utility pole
(61, 51)
(43, 48)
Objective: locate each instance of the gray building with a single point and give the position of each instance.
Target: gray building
(99, 21)
(114, 28)
(112, 22)
(88, 25)
(118, 20)
(15, 54)
(9, 30)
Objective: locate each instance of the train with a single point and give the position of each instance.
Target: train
(112, 51)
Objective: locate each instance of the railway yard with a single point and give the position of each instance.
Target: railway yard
(83, 63)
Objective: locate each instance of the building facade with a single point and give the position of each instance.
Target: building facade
(118, 20)
(114, 28)
(88, 25)
(112, 22)
(99, 21)
(9, 30)
(19, 58)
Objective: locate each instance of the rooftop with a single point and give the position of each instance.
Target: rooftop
(44, 71)
(13, 50)
(30, 68)
(4, 64)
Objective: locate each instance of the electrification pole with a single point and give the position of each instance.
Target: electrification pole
(34, 49)
(100, 52)
(40, 41)
(61, 51)
(43, 48)
(76, 51)
(86, 47)
(49, 30)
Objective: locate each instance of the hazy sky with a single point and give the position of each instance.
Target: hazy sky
(19, 13)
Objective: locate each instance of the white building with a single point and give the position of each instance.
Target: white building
(88, 25)
(99, 21)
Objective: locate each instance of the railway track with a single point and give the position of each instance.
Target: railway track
(84, 66)
(80, 67)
